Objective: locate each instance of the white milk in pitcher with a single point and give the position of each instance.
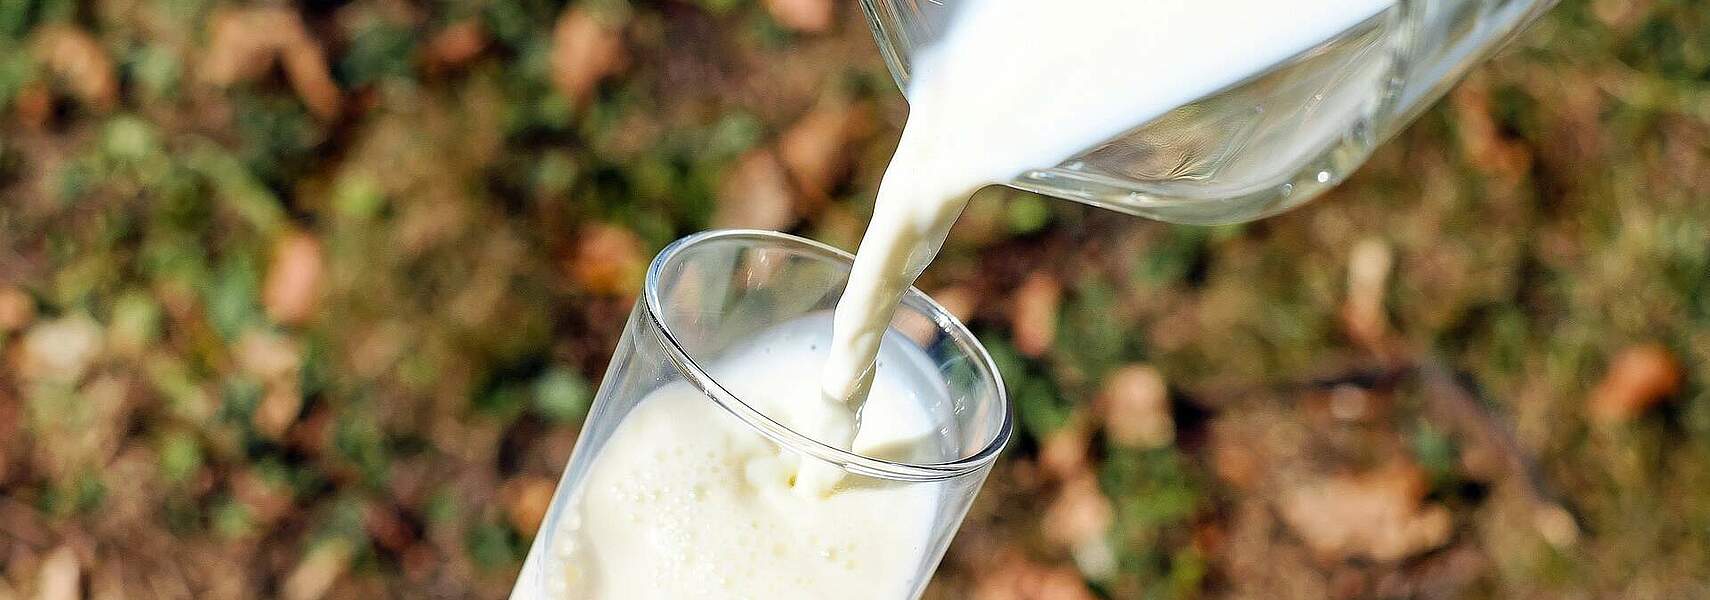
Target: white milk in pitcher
(1023, 84)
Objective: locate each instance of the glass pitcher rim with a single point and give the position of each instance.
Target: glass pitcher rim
(849, 460)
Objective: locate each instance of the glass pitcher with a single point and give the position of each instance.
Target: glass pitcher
(1271, 141)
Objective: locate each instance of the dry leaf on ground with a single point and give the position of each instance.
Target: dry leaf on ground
(278, 410)
(292, 288)
(457, 44)
(61, 350)
(585, 50)
(245, 44)
(1482, 141)
(1063, 453)
(1639, 377)
(268, 355)
(60, 576)
(78, 59)
(17, 309)
(1079, 514)
(1135, 407)
(1018, 578)
(526, 499)
(1234, 461)
(1376, 515)
(817, 148)
(756, 194)
(809, 16)
(1033, 316)
(320, 569)
(608, 261)
(1363, 316)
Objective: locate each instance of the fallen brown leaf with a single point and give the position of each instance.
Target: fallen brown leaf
(268, 355)
(77, 59)
(292, 288)
(1363, 316)
(320, 569)
(238, 50)
(1033, 316)
(1556, 525)
(1080, 514)
(526, 499)
(457, 44)
(585, 50)
(60, 576)
(61, 350)
(1234, 461)
(17, 309)
(1482, 141)
(1620, 15)
(1639, 377)
(1063, 453)
(1018, 578)
(756, 194)
(608, 261)
(1376, 515)
(817, 149)
(808, 16)
(244, 44)
(277, 410)
(1135, 407)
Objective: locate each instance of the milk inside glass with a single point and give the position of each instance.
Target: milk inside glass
(685, 501)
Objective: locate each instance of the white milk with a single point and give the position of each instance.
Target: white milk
(685, 501)
(1024, 84)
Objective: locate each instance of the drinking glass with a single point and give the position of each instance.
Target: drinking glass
(708, 293)
(1271, 141)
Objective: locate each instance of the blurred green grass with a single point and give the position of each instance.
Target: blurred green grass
(257, 347)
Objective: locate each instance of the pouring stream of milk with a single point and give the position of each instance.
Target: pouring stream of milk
(682, 501)
(1022, 84)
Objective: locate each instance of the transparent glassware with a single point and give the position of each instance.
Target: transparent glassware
(708, 293)
(1271, 141)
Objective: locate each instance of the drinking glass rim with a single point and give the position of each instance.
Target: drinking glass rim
(795, 441)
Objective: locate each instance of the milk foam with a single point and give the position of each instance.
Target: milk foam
(686, 501)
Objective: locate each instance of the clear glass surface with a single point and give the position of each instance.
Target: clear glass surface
(1272, 141)
(709, 293)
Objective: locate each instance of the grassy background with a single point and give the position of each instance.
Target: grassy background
(308, 301)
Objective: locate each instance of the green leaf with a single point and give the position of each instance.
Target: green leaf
(493, 546)
(180, 457)
(562, 395)
(1027, 213)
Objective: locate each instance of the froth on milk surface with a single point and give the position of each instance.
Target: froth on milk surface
(685, 501)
